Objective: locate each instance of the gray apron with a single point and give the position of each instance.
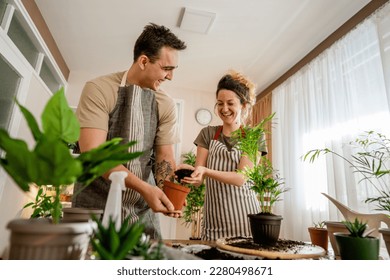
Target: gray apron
(134, 117)
(226, 206)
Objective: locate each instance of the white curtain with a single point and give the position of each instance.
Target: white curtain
(328, 103)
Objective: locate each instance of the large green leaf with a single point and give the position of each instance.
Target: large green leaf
(106, 156)
(17, 159)
(58, 119)
(57, 166)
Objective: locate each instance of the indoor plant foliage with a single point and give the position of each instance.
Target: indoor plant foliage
(192, 213)
(370, 159)
(357, 244)
(127, 242)
(195, 198)
(266, 182)
(50, 162)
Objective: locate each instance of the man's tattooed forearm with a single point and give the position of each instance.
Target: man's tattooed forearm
(163, 171)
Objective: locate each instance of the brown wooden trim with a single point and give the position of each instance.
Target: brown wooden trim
(39, 21)
(340, 32)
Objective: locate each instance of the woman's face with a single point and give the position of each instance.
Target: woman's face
(229, 107)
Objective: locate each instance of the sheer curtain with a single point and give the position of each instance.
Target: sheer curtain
(328, 103)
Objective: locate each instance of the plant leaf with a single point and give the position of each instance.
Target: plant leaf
(58, 120)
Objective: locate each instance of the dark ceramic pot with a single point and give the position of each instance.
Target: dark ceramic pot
(265, 228)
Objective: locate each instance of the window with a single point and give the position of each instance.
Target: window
(47, 76)
(9, 81)
(22, 40)
(3, 6)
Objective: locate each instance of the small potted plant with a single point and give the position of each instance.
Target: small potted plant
(266, 182)
(357, 244)
(319, 235)
(370, 159)
(126, 242)
(50, 162)
(175, 190)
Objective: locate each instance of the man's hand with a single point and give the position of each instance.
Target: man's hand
(159, 202)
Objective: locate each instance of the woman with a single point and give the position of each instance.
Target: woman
(228, 197)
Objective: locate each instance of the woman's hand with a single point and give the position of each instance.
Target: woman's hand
(197, 177)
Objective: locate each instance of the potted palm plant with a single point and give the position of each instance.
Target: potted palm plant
(50, 162)
(370, 159)
(357, 244)
(266, 182)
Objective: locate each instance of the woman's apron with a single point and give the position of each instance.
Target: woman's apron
(226, 206)
(135, 117)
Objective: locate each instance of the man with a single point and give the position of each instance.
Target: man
(130, 105)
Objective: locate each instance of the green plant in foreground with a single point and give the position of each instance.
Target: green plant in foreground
(355, 228)
(126, 242)
(50, 162)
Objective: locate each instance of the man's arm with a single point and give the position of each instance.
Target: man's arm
(165, 164)
(91, 138)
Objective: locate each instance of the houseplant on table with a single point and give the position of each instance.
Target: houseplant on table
(357, 244)
(370, 159)
(319, 235)
(50, 162)
(266, 182)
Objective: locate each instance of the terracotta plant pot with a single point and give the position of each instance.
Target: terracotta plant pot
(176, 193)
(74, 214)
(319, 237)
(357, 248)
(386, 237)
(265, 228)
(333, 227)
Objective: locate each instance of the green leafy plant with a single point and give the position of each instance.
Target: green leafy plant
(50, 162)
(356, 228)
(126, 242)
(195, 198)
(266, 182)
(371, 159)
(42, 205)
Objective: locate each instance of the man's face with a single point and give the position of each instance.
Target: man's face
(160, 70)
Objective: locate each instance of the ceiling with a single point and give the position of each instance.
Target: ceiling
(261, 38)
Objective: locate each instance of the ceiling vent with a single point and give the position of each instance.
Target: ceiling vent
(196, 21)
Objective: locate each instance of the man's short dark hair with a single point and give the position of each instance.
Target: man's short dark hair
(153, 38)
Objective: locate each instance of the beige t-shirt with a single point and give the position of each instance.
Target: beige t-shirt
(99, 97)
